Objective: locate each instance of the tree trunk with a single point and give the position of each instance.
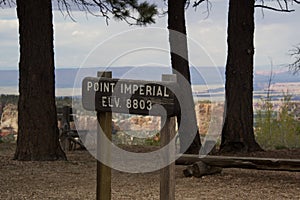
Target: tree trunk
(237, 133)
(38, 135)
(180, 66)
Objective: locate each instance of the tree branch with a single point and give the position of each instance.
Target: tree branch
(275, 9)
(197, 3)
(7, 3)
(208, 6)
(130, 11)
(283, 5)
(295, 53)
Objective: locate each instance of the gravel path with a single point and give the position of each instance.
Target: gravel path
(76, 179)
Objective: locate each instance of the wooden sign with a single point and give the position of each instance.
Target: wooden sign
(106, 95)
(129, 96)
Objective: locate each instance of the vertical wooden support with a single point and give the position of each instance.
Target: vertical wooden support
(167, 174)
(103, 191)
(65, 121)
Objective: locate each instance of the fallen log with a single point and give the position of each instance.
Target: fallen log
(242, 162)
(200, 169)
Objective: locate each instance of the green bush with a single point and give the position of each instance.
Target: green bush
(7, 139)
(277, 129)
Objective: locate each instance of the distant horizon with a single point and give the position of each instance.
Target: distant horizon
(218, 96)
(206, 81)
(280, 67)
(9, 77)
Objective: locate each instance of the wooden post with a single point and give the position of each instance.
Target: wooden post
(167, 174)
(103, 191)
(65, 121)
(139, 103)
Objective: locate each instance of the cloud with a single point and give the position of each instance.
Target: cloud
(274, 36)
(209, 32)
(75, 40)
(122, 45)
(8, 26)
(9, 55)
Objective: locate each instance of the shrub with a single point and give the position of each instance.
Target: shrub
(277, 129)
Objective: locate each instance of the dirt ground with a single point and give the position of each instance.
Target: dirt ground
(76, 179)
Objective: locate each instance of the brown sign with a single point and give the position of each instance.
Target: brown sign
(129, 96)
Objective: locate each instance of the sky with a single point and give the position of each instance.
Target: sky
(90, 42)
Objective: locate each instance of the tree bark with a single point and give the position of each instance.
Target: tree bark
(237, 133)
(38, 135)
(180, 66)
